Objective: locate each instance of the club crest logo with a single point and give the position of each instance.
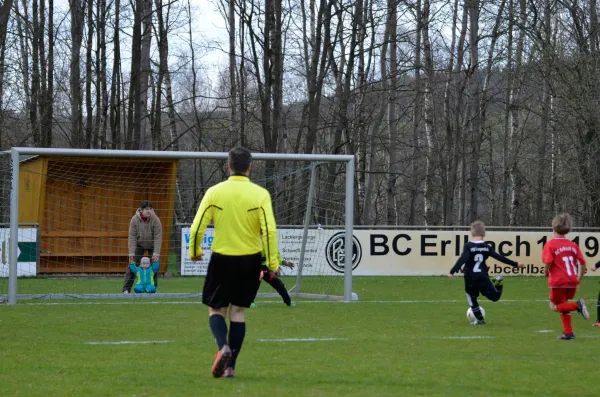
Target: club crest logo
(336, 254)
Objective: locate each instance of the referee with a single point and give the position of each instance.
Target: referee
(240, 211)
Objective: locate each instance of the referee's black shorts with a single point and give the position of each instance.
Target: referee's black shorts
(231, 280)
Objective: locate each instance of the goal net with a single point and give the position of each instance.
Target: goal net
(75, 208)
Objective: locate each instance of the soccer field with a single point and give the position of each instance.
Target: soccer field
(406, 337)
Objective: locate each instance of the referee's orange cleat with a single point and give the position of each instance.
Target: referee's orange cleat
(596, 324)
(221, 361)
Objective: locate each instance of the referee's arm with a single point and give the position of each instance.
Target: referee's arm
(203, 217)
(269, 233)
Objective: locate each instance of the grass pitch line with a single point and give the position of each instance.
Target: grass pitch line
(130, 342)
(463, 337)
(301, 339)
(271, 302)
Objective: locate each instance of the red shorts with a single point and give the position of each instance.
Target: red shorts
(561, 295)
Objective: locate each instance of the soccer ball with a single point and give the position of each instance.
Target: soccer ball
(471, 316)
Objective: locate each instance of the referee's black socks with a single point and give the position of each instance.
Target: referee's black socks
(218, 326)
(237, 332)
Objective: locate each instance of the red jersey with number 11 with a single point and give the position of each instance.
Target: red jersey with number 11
(564, 257)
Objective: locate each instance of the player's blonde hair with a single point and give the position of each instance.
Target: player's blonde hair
(478, 228)
(562, 223)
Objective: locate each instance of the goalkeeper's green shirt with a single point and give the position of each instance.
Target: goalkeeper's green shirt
(239, 210)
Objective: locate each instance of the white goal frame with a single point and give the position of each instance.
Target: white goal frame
(17, 152)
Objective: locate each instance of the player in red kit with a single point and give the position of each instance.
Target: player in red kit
(565, 266)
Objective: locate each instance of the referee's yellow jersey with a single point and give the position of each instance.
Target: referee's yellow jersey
(239, 210)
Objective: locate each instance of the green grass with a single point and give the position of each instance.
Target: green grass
(396, 348)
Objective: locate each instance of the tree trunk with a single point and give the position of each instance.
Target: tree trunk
(89, 110)
(541, 169)
(369, 205)
(504, 193)
(316, 72)
(416, 119)
(452, 109)
(483, 105)
(132, 139)
(233, 122)
(242, 85)
(392, 118)
(514, 105)
(115, 85)
(276, 70)
(474, 114)
(77, 17)
(35, 74)
(48, 95)
(429, 116)
(101, 91)
(5, 9)
(163, 46)
(141, 134)
(22, 18)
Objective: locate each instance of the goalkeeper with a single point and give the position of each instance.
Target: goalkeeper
(274, 281)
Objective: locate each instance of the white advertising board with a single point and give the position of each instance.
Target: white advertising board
(26, 257)
(402, 252)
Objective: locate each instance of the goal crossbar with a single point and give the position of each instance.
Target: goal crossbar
(17, 152)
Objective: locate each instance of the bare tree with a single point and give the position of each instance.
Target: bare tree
(77, 18)
(474, 125)
(453, 108)
(101, 89)
(513, 123)
(392, 118)
(316, 68)
(89, 110)
(140, 134)
(429, 113)
(538, 203)
(4, 15)
(369, 209)
(417, 109)
(133, 136)
(35, 72)
(47, 94)
(164, 75)
(484, 102)
(115, 84)
(231, 24)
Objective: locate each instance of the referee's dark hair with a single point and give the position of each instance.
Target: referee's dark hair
(239, 160)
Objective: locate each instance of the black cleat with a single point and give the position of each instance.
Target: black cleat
(497, 281)
(567, 337)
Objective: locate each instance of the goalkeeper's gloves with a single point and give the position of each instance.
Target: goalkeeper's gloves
(287, 264)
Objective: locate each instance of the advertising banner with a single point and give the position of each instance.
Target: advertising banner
(403, 252)
(27, 254)
(318, 258)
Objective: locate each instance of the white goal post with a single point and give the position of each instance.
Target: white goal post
(346, 208)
